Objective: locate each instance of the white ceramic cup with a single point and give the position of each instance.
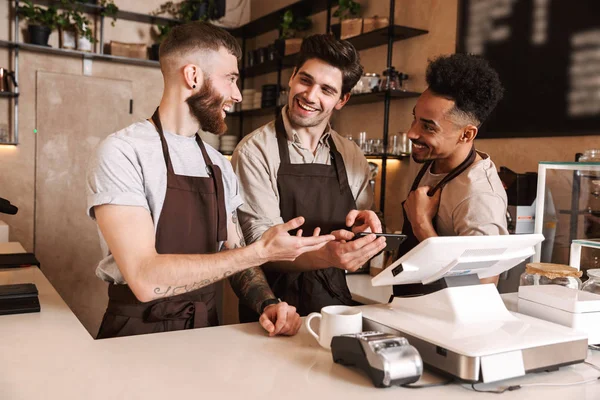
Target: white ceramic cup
(335, 321)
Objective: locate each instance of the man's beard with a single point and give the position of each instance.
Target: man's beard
(207, 106)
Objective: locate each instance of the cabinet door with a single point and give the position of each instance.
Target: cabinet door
(74, 113)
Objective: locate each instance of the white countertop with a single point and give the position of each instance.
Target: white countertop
(49, 355)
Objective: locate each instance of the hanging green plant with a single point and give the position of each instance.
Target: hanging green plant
(109, 9)
(188, 10)
(36, 15)
(290, 25)
(347, 9)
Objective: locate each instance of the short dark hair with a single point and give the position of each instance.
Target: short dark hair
(338, 53)
(198, 35)
(469, 80)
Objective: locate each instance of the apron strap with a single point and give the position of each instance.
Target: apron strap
(451, 175)
(163, 142)
(282, 141)
(455, 172)
(340, 167)
(217, 176)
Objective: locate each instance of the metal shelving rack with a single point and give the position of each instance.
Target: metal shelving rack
(385, 36)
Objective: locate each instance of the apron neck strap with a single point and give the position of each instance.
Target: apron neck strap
(462, 167)
(163, 141)
(284, 154)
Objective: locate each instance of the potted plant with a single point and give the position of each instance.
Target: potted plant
(41, 21)
(67, 33)
(290, 27)
(349, 12)
(85, 37)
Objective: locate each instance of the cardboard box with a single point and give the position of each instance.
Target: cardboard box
(351, 27)
(374, 23)
(131, 50)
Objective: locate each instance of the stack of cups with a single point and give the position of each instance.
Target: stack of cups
(269, 96)
(248, 99)
(228, 143)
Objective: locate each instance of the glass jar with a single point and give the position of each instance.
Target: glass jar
(371, 82)
(550, 274)
(590, 186)
(593, 282)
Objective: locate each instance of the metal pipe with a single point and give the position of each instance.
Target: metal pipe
(386, 110)
(16, 71)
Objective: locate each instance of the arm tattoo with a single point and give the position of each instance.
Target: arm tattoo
(251, 287)
(162, 292)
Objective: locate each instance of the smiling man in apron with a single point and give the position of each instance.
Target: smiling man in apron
(298, 165)
(166, 203)
(457, 191)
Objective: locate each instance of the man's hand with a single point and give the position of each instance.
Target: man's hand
(280, 319)
(420, 210)
(363, 221)
(276, 244)
(350, 255)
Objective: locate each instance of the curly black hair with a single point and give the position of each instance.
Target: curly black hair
(469, 80)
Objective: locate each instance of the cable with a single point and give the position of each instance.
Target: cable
(525, 385)
(427, 385)
(592, 365)
(594, 347)
(560, 384)
(494, 391)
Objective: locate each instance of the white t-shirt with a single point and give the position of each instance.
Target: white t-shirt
(474, 203)
(128, 168)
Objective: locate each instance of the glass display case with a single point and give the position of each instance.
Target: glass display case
(568, 214)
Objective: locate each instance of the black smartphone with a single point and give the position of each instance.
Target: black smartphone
(392, 240)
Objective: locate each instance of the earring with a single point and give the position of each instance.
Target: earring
(193, 86)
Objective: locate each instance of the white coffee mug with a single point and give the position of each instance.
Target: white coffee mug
(335, 321)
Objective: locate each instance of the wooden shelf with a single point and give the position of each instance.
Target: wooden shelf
(375, 97)
(271, 21)
(375, 38)
(270, 66)
(121, 14)
(82, 54)
(388, 156)
(379, 37)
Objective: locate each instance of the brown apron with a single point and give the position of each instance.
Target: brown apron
(192, 221)
(321, 194)
(415, 289)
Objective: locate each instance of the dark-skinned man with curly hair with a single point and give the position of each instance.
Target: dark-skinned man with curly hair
(457, 191)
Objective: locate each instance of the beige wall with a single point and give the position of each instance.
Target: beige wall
(18, 164)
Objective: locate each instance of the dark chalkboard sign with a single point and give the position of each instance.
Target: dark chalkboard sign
(547, 53)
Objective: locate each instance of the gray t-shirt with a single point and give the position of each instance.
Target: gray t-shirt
(474, 203)
(128, 168)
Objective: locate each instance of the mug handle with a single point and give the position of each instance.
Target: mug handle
(308, 319)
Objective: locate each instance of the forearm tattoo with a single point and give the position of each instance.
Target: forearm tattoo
(251, 287)
(162, 292)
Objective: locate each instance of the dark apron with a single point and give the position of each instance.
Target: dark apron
(192, 221)
(321, 194)
(415, 289)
